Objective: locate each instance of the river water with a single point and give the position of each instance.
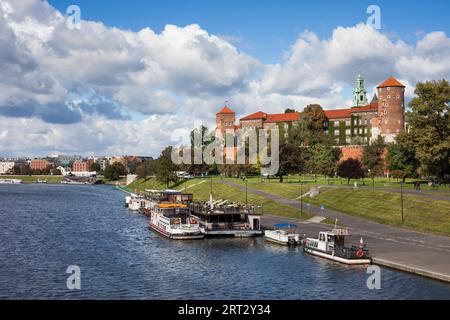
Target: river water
(46, 228)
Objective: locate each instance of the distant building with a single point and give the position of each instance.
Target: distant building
(6, 166)
(82, 166)
(40, 164)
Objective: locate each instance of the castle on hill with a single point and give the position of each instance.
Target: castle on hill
(384, 115)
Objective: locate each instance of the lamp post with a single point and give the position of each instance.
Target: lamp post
(246, 193)
(401, 198)
(301, 199)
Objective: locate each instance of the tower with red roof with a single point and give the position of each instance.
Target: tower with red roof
(391, 110)
(225, 119)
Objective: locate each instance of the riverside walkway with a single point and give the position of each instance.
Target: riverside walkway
(402, 249)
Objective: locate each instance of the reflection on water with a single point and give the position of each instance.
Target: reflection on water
(46, 228)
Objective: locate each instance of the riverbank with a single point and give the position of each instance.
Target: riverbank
(34, 179)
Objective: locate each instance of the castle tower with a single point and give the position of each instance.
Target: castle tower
(391, 108)
(359, 93)
(225, 119)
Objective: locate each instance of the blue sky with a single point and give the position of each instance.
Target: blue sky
(265, 29)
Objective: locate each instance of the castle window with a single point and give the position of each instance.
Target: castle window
(389, 96)
(389, 89)
(398, 96)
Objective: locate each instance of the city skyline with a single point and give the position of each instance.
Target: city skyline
(118, 85)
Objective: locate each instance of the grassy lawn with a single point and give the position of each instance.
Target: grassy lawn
(34, 179)
(384, 207)
(288, 190)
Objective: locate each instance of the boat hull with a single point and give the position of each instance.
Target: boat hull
(336, 258)
(174, 236)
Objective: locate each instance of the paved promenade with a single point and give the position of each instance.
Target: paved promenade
(403, 249)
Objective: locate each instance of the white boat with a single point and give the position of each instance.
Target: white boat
(41, 181)
(128, 199)
(281, 236)
(10, 181)
(137, 204)
(330, 245)
(173, 220)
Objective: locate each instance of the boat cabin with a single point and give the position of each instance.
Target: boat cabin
(224, 218)
(173, 196)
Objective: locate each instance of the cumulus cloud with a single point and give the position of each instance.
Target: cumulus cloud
(105, 90)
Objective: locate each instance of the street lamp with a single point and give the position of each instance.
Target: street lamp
(401, 198)
(301, 199)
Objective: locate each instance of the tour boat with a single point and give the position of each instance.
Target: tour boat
(174, 221)
(153, 197)
(330, 245)
(281, 236)
(222, 218)
(10, 181)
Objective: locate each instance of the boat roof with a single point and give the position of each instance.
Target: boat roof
(285, 225)
(167, 205)
(337, 232)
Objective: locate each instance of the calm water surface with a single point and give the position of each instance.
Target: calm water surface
(46, 228)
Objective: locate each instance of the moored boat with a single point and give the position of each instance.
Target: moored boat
(41, 181)
(282, 236)
(331, 245)
(222, 218)
(174, 221)
(10, 181)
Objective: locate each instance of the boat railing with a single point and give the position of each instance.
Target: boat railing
(205, 208)
(350, 253)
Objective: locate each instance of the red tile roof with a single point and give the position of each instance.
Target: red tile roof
(256, 116)
(226, 110)
(391, 82)
(338, 113)
(373, 106)
(282, 117)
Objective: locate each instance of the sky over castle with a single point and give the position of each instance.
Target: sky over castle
(136, 74)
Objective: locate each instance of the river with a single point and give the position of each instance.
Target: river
(46, 228)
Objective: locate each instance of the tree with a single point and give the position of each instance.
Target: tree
(322, 159)
(350, 169)
(114, 171)
(401, 159)
(372, 157)
(146, 168)
(56, 172)
(95, 167)
(165, 169)
(289, 110)
(291, 160)
(310, 129)
(429, 127)
(317, 116)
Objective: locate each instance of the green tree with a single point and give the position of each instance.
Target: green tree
(322, 159)
(56, 172)
(350, 169)
(372, 158)
(95, 167)
(290, 161)
(401, 159)
(165, 168)
(114, 171)
(289, 110)
(429, 127)
(145, 169)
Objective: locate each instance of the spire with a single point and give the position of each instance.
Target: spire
(359, 93)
